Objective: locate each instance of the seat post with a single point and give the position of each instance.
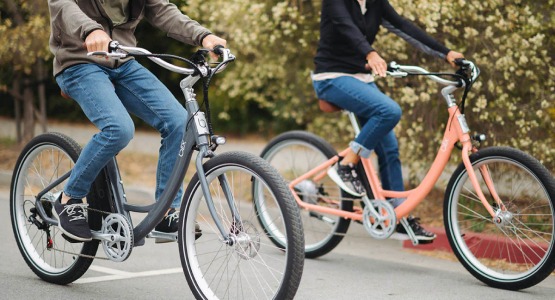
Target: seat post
(354, 122)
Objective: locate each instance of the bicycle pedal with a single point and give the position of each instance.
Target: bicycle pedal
(163, 237)
(399, 236)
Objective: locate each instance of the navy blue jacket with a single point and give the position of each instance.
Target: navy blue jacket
(346, 35)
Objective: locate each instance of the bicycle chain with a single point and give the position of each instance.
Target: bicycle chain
(86, 255)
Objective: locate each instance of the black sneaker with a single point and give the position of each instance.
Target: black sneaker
(72, 219)
(423, 236)
(349, 176)
(169, 224)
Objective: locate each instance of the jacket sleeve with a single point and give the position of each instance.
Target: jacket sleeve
(167, 17)
(72, 20)
(415, 36)
(344, 24)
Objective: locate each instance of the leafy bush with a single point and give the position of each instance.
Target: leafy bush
(513, 101)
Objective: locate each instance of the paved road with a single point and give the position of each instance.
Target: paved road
(360, 268)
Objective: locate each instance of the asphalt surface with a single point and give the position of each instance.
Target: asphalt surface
(360, 267)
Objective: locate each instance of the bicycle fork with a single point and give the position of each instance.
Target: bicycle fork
(476, 185)
(224, 183)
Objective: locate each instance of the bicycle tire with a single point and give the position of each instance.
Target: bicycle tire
(294, 153)
(44, 159)
(517, 252)
(214, 269)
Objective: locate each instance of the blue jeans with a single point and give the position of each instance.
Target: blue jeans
(107, 96)
(377, 114)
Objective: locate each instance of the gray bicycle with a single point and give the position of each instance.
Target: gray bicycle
(235, 257)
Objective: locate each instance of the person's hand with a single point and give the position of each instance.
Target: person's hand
(211, 41)
(376, 63)
(451, 56)
(97, 40)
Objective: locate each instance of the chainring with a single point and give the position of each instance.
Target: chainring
(119, 247)
(379, 218)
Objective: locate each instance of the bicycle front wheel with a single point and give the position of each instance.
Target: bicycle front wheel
(46, 158)
(293, 154)
(516, 252)
(248, 265)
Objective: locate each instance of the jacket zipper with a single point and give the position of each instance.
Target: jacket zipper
(110, 27)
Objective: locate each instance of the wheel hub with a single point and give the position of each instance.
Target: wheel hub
(247, 241)
(307, 191)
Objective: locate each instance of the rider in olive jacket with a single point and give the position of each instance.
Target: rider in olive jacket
(72, 20)
(109, 92)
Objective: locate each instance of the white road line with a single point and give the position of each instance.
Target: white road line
(118, 275)
(108, 270)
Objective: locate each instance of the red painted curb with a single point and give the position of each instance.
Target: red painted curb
(488, 246)
(440, 243)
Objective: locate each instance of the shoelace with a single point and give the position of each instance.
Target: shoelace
(171, 217)
(74, 214)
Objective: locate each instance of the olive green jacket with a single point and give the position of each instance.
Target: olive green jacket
(72, 20)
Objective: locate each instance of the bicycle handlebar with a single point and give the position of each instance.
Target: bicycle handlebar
(398, 71)
(117, 51)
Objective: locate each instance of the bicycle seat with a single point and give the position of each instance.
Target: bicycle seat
(64, 95)
(326, 106)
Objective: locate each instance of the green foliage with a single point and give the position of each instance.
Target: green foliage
(513, 98)
(268, 88)
(274, 43)
(513, 102)
(24, 35)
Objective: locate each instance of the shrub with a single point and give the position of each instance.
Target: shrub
(512, 102)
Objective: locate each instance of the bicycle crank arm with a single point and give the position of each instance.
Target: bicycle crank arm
(105, 237)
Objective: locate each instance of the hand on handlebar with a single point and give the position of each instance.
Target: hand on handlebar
(376, 63)
(97, 40)
(452, 56)
(211, 41)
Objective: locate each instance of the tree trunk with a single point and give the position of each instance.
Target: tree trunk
(28, 113)
(41, 116)
(17, 105)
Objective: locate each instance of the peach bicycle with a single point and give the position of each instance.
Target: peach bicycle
(498, 205)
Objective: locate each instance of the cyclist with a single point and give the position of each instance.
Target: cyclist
(108, 90)
(346, 66)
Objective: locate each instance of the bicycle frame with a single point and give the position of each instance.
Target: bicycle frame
(196, 137)
(456, 131)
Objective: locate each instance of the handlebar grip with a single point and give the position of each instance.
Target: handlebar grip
(113, 46)
(218, 49)
(460, 61)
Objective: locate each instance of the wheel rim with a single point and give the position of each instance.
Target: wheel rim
(43, 164)
(516, 248)
(253, 267)
(292, 159)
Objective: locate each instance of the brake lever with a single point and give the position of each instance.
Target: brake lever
(393, 71)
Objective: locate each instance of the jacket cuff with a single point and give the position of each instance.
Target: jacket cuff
(90, 28)
(201, 39)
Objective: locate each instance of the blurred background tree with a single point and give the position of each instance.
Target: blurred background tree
(511, 41)
(24, 28)
(268, 89)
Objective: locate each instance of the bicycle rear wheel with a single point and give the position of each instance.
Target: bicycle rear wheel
(517, 252)
(293, 154)
(48, 254)
(252, 267)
